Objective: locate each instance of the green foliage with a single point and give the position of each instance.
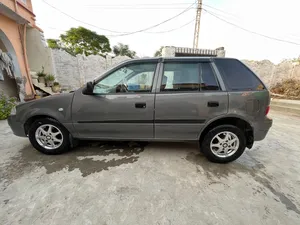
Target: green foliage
(158, 53)
(81, 40)
(50, 77)
(54, 43)
(41, 73)
(123, 50)
(6, 105)
(55, 84)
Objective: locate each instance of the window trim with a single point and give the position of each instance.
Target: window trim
(219, 77)
(215, 76)
(109, 72)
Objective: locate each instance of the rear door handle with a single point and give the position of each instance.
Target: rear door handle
(140, 105)
(213, 104)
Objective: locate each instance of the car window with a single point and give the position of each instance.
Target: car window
(208, 78)
(141, 81)
(180, 77)
(237, 76)
(132, 78)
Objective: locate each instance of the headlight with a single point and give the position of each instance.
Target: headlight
(13, 111)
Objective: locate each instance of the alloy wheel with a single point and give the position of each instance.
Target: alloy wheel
(224, 144)
(49, 136)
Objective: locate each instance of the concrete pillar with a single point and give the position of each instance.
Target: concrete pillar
(221, 52)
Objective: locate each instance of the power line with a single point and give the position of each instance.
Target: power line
(149, 32)
(250, 31)
(142, 8)
(158, 32)
(167, 31)
(121, 33)
(156, 25)
(209, 6)
(150, 4)
(92, 25)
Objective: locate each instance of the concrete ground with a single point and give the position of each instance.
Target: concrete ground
(159, 183)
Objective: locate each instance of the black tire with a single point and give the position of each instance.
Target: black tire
(65, 145)
(205, 145)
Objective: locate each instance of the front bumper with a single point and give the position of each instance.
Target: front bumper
(16, 127)
(261, 129)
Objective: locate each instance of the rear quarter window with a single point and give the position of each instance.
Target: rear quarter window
(237, 76)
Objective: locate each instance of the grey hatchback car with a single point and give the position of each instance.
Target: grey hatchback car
(218, 102)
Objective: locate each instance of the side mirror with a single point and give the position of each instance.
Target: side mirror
(89, 88)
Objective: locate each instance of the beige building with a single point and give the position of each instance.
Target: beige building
(20, 38)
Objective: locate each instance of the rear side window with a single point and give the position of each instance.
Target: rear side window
(237, 76)
(180, 77)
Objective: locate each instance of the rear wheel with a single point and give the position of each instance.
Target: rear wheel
(223, 144)
(49, 136)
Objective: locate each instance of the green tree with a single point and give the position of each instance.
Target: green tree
(123, 50)
(53, 43)
(158, 53)
(81, 40)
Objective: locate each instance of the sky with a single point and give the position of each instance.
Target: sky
(272, 18)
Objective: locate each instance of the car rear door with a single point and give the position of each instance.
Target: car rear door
(248, 96)
(188, 95)
(118, 115)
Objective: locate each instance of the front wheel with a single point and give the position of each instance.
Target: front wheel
(223, 144)
(49, 136)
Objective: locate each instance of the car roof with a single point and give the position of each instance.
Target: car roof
(173, 59)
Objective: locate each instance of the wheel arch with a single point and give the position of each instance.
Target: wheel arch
(239, 122)
(32, 119)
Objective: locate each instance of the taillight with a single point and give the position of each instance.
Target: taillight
(267, 110)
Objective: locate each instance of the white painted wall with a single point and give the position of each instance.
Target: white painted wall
(73, 72)
(38, 54)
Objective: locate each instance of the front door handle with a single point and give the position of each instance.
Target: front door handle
(213, 104)
(140, 105)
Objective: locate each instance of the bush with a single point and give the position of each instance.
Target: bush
(50, 77)
(6, 105)
(41, 73)
(289, 88)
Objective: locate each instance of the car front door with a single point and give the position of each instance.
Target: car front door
(121, 106)
(188, 96)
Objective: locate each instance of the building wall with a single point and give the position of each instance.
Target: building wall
(10, 29)
(171, 51)
(24, 10)
(66, 70)
(9, 3)
(2, 46)
(9, 86)
(38, 54)
(73, 72)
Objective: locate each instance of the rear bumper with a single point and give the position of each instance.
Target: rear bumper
(16, 127)
(261, 129)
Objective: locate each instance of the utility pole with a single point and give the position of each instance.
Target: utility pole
(197, 24)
